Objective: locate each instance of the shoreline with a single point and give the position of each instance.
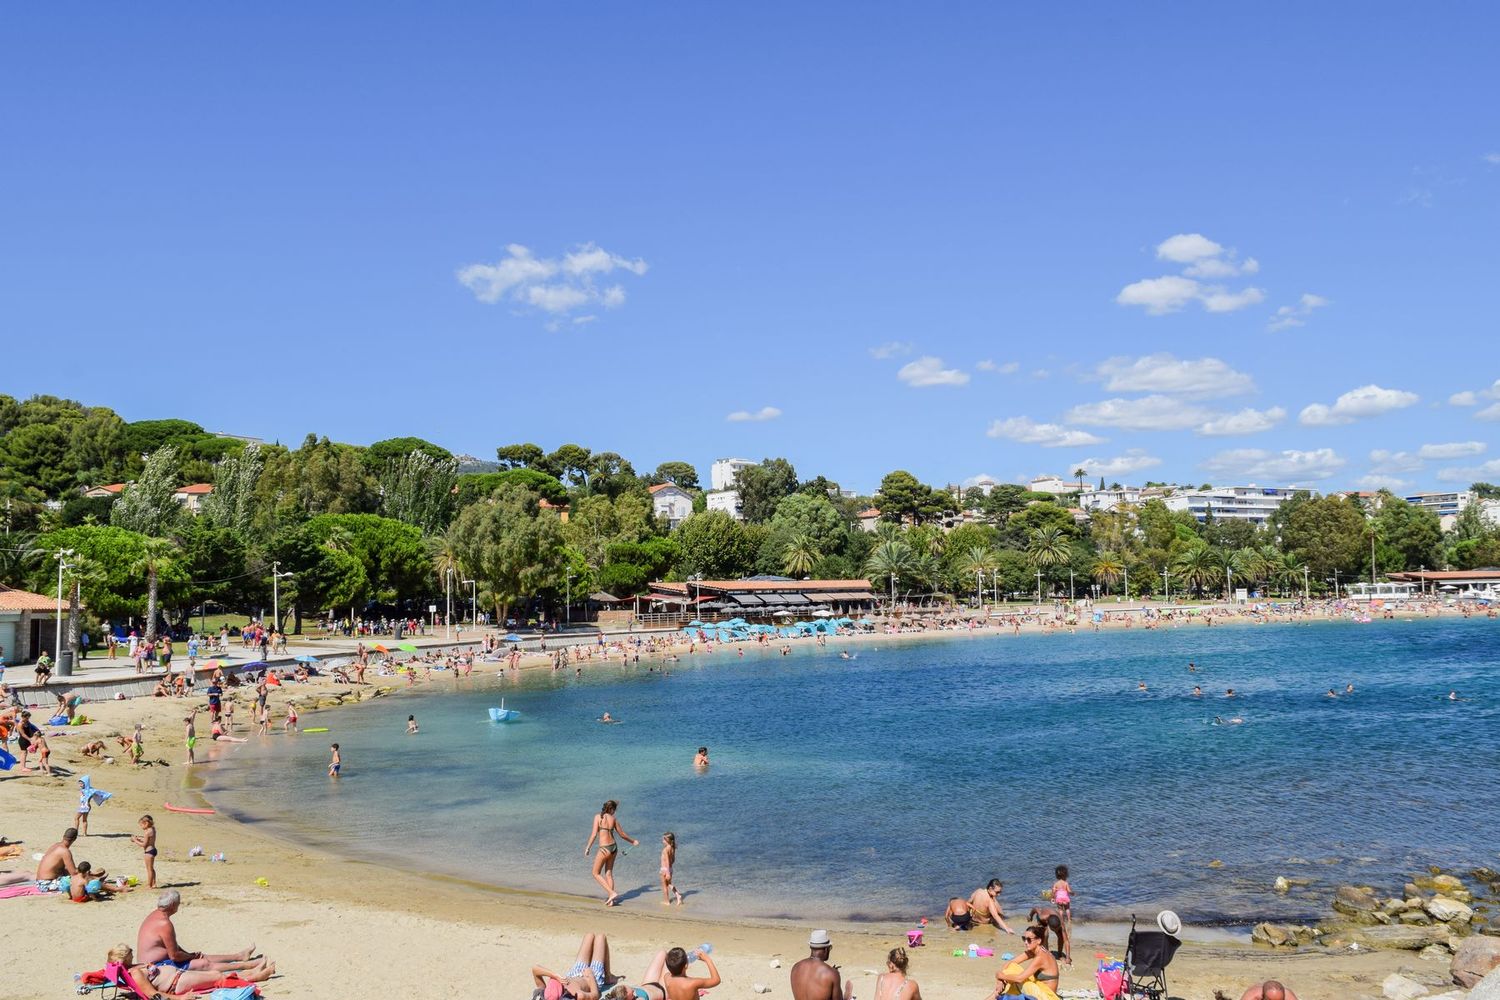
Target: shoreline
(492, 933)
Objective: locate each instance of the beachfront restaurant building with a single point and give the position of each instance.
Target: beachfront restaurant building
(1462, 584)
(28, 626)
(764, 598)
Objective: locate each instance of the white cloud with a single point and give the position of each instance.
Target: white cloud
(1491, 412)
(1203, 259)
(1169, 374)
(1148, 413)
(1384, 462)
(1493, 159)
(1290, 316)
(980, 480)
(1159, 296)
(1133, 460)
(1027, 431)
(1220, 300)
(764, 413)
(890, 349)
(1379, 482)
(1003, 368)
(556, 286)
(1454, 449)
(1246, 421)
(1356, 404)
(1465, 398)
(928, 370)
(1185, 248)
(1472, 473)
(1289, 467)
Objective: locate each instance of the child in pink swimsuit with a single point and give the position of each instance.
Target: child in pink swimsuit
(1062, 895)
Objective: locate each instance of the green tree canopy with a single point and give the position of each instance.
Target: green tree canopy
(715, 545)
(681, 474)
(762, 487)
(476, 486)
(380, 454)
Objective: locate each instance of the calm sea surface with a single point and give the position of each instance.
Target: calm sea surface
(878, 786)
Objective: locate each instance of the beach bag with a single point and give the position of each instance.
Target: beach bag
(1111, 983)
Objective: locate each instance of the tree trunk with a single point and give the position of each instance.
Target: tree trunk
(151, 605)
(296, 619)
(74, 600)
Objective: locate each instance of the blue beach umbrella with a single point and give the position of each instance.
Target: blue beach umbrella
(512, 637)
(307, 659)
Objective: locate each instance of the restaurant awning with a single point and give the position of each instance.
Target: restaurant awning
(747, 600)
(793, 599)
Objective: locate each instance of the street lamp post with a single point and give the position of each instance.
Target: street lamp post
(1166, 586)
(1126, 567)
(448, 592)
(568, 599)
(979, 587)
(1335, 583)
(1070, 586)
(1038, 587)
(1306, 589)
(62, 564)
(276, 576)
(473, 603)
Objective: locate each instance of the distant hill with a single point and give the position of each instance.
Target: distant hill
(470, 463)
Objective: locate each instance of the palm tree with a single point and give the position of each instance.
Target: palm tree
(1047, 547)
(19, 556)
(1244, 564)
(976, 561)
(1197, 566)
(890, 560)
(801, 555)
(1108, 568)
(157, 556)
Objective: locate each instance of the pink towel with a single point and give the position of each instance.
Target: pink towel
(25, 889)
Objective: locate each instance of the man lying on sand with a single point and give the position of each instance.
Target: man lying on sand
(1268, 990)
(156, 944)
(584, 981)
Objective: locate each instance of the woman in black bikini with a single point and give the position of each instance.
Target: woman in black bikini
(606, 829)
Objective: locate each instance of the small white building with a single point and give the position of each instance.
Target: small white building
(726, 500)
(869, 519)
(722, 473)
(1055, 486)
(1106, 500)
(671, 503)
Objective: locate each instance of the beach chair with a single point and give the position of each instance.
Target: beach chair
(1147, 955)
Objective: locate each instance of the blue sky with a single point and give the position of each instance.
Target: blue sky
(1160, 242)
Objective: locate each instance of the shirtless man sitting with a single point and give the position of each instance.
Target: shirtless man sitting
(1268, 990)
(813, 978)
(984, 904)
(58, 861)
(156, 943)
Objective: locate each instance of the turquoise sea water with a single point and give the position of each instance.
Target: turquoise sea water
(876, 787)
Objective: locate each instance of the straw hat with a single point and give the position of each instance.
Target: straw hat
(1169, 923)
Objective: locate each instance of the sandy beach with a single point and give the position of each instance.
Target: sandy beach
(334, 926)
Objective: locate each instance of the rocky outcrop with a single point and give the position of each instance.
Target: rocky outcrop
(1476, 958)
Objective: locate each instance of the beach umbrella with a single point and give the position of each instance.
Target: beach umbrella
(783, 613)
(695, 623)
(307, 659)
(211, 665)
(256, 665)
(512, 637)
(822, 614)
(381, 647)
(407, 647)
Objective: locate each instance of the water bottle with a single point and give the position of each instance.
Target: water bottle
(705, 949)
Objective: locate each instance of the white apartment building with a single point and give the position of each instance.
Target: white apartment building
(722, 473)
(1447, 506)
(1255, 504)
(1055, 486)
(726, 500)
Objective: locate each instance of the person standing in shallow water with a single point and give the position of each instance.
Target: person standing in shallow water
(608, 832)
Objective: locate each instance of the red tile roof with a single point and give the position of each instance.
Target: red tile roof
(197, 489)
(748, 585)
(662, 486)
(869, 512)
(25, 600)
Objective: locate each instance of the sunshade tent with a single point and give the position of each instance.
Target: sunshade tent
(307, 659)
(407, 646)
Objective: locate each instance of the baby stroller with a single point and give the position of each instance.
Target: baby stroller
(1147, 955)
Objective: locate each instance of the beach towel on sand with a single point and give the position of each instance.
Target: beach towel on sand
(15, 891)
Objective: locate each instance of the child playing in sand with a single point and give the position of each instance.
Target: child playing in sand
(668, 855)
(1062, 895)
(147, 841)
(336, 763)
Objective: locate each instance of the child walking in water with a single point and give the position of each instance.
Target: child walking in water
(1062, 895)
(669, 855)
(290, 726)
(147, 841)
(337, 763)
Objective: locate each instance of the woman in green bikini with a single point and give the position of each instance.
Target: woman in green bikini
(606, 830)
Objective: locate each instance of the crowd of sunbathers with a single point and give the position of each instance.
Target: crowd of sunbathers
(591, 978)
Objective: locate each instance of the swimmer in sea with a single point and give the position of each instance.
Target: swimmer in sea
(1331, 693)
(1348, 688)
(607, 719)
(1197, 691)
(411, 724)
(1141, 686)
(1192, 667)
(700, 760)
(1229, 693)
